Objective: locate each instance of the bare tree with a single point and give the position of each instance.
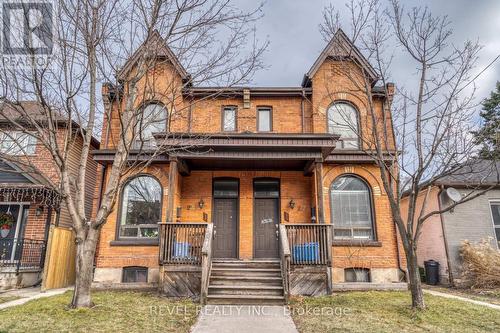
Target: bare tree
(180, 43)
(428, 122)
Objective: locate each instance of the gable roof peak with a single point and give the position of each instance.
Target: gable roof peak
(340, 45)
(154, 45)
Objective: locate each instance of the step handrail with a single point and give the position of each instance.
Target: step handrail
(284, 249)
(206, 262)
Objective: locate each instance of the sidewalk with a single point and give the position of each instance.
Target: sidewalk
(465, 299)
(28, 294)
(244, 318)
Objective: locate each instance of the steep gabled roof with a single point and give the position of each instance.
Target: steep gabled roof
(340, 46)
(157, 46)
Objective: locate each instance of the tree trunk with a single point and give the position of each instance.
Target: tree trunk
(85, 253)
(417, 297)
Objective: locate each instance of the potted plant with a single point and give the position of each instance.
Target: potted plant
(6, 223)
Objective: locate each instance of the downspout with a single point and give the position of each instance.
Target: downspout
(302, 110)
(450, 273)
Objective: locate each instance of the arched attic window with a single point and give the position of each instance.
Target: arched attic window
(343, 120)
(152, 119)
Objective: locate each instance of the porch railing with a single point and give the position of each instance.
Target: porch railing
(206, 262)
(22, 253)
(181, 243)
(309, 244)
(284, 251)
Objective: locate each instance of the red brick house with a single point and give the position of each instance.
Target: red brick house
(276, 194)
(38, 246)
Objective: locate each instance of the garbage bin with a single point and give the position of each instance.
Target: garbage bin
(432, 272)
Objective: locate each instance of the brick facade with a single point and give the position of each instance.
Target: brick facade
(304, 113)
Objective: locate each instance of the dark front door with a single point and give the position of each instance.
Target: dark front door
(225, 223)
(265, 221)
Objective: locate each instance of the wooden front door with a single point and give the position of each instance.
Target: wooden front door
(266, 219)
(226, 227)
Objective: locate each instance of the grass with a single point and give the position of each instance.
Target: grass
(115, 311)
(390, 312)
(5, 299)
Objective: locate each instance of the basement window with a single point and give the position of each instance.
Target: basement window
(135, 274)
(357, 275)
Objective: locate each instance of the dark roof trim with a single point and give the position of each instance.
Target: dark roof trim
(341, 40)
(161, 50)
(254, 91)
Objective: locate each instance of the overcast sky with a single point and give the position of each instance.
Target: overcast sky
(291, 26)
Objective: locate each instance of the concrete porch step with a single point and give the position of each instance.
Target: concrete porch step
(245, 290)
(246, 264)
(246, 299)
(250, 280)
(250, 272)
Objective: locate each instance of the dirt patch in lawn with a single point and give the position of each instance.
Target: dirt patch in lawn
(389, 312)
(5, 299)
(114, 311)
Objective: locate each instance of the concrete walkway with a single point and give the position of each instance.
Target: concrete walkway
(243, 319)
(28, 294)
(465, 299)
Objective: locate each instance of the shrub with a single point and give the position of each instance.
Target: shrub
(481, 264)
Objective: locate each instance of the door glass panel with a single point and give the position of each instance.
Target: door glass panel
(266, 188)
(227, 188)
(8, 234)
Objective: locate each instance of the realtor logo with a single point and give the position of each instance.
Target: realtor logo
(27, 32)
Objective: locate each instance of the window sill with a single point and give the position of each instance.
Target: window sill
(354, 242)
(135, 242)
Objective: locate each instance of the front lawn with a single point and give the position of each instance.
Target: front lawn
(390, 312)
(115, 311)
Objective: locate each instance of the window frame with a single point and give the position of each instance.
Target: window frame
(136, 268)
(223, 117)
(361, 269)
(491, 203)
(145, 143)
(358, 125)
(264, 108)
(23, 151)
(139, 240)
(361, 240)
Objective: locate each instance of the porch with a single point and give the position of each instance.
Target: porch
(188, 266)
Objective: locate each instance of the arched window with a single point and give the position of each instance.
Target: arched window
(152, 119)
(140, 208)
(351, 209)
(343, 120)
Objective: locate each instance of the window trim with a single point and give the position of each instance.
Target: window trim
(144, 105)
(363, 269)
(144, 268)
(358, 123)
(223, 113)
(494, 202)
(374, 239)
(22, 151)
(264, 107)
(137, 240)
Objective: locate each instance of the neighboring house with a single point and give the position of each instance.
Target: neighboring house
(40, 236)
(475, 220)
(264, 164)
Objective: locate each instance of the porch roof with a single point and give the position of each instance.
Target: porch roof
(244, 151)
